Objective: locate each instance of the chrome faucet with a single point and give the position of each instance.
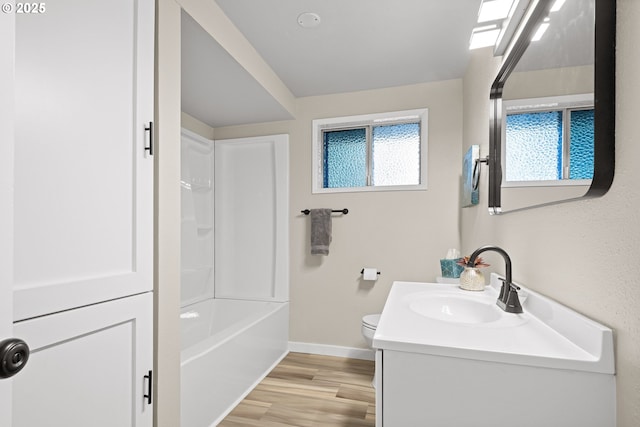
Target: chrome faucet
(508, 299)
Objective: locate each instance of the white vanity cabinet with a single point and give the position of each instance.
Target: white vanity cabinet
(76, 211)
(448, 357)
(420, 390)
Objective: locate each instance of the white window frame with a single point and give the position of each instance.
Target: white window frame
(378, 119)
(551, 103)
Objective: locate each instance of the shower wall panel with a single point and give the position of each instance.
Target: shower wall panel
(197, 237)
(252, 221)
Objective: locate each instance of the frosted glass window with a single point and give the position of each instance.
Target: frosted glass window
(345, 158)
(382, 151)
(581, 146)
(396, 154)
(534, 146)
(549, 145)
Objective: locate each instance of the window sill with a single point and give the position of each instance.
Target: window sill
(421, 187)
(549, 183)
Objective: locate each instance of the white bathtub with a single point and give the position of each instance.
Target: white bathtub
(228, 346)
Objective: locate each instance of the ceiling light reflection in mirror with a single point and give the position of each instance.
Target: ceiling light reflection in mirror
(491, 17)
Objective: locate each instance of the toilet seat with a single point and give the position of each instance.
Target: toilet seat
(370, 321)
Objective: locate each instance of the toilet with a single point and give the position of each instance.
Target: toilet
(369, 325)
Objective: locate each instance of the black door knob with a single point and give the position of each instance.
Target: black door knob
(14, 354)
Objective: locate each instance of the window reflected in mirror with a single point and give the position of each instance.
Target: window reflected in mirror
(549, 141)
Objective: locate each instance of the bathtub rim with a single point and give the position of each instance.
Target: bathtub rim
(211, 342)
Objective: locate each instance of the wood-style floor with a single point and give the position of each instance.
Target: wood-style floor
(307, 390)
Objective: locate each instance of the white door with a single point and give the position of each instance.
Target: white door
(76, 210)
(6, 185)
(87, 367)
(82, 178)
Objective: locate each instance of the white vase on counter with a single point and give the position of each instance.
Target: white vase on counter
(472, 279)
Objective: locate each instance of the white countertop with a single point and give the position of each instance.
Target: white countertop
(547, 334)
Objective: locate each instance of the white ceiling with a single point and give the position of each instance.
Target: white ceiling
(359, 45)
(565, 42)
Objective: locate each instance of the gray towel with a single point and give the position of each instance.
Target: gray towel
(320, 231)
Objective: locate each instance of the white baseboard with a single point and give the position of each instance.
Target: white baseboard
(332, 350)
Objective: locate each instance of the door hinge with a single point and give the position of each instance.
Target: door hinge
(149, 378)
(150, 130)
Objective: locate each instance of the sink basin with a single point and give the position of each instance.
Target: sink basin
(456, 309)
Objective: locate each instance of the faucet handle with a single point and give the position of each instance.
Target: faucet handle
(504, 288)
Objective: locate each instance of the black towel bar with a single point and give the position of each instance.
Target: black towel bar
(343, 211)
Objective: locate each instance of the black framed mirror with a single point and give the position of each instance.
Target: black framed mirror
(552, 124)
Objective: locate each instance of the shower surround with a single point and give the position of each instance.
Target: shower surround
(235, 273)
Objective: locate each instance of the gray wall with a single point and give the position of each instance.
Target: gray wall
(403, 234)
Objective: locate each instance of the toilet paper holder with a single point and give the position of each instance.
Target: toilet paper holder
(362, 271)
